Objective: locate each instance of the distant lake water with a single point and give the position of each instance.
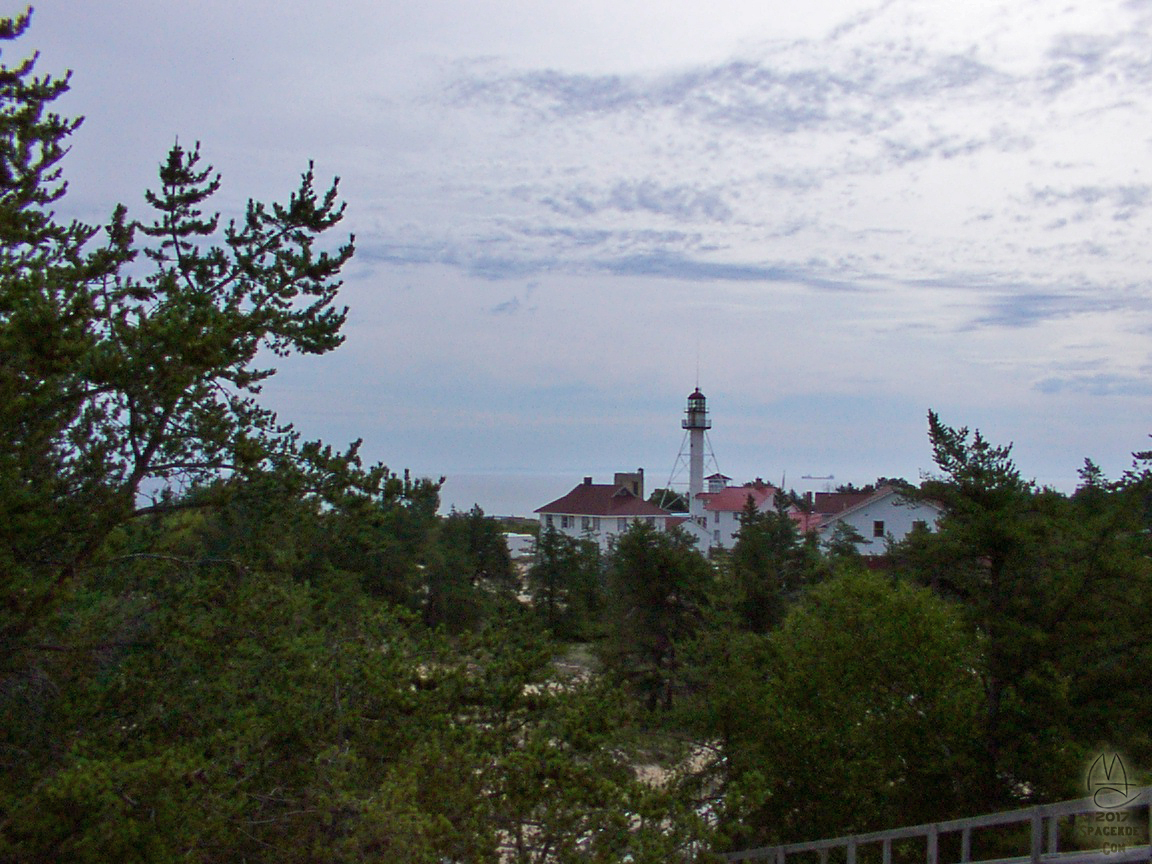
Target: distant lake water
(506, 494)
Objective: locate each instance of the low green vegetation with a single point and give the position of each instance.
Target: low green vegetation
(219, 642)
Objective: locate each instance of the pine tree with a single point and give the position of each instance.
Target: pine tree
(54, 277)
(657, 588)
(117, 386)
(123, 391)
(565, 584)
(770, 563)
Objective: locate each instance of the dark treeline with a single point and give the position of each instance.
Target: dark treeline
(219, 642)
(981, 670)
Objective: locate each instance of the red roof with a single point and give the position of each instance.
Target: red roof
(805, 521)
(602, 499)
(735, 498)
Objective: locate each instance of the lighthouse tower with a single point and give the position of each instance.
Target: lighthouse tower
(697, 423)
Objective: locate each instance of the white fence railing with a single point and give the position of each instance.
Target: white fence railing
(1122, 835)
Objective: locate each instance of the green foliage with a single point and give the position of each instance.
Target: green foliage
(876, 704)
(212, 641)
(219, 643)
(383, 537)
(994, 552)
(115, 384)
(657, 585)
(1104, 616)
(371, 524)
(1038, 574)
(469, 571)
(481, 540)
(769, 565)
(670, 500)
(49, 494)
(229, 714)
(565, 582)
(844, 544)
(857, 714)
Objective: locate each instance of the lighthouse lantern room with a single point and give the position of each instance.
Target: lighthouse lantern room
(696, 414)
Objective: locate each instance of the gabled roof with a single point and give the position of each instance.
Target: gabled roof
(869, 499)
(735, 498)
(828, 503)
(601, 499)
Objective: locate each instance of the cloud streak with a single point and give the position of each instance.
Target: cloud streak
(679, 202)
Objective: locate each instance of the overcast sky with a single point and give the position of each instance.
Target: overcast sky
(832, 215)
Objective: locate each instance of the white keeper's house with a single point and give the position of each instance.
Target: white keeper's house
(878, 517)
(601, 511)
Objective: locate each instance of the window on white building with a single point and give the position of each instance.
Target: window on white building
(878, 528)
(566, 521)
(621, 523)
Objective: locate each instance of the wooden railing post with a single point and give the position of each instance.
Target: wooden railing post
(966, 845)
(1037, 835)
(933, 844)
